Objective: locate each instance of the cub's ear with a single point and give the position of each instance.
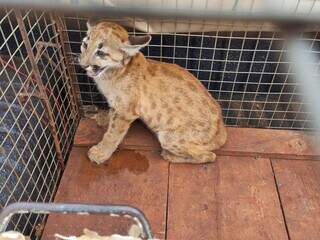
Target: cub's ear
(91, 23)
(135, 43)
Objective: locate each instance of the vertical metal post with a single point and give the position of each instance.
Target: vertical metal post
(41, 87)
(304, 61)
(70, 67)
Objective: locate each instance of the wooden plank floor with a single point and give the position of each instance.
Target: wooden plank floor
(264, 185)
(299, 187)
(233, 199)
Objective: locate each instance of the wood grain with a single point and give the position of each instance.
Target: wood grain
(138, 136)
(136, 178)
(241, 141)
(270, 143)
(299, 187)
(233, 199)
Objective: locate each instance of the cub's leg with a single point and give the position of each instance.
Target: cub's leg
(102, 118)
(195, 158)
(117, 129)
(201, 156)
(174, 158)
(178, 150)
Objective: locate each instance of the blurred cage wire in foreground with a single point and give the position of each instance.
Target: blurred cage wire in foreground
(43, 92)
(38, 113)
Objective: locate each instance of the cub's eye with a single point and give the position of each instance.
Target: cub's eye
(100, 45)
(84, 44)
(100, 53)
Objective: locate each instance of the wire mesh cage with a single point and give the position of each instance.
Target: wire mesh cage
(43, 92)
(246, 71)
(37, 109)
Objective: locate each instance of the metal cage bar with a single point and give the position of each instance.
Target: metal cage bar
(42, 94)
(267, 11)
(35, 90)
(240, 63)
(66, 208)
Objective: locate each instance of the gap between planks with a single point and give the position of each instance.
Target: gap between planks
(219, 203)
(299, 190)
(136, 178)
(234, 198)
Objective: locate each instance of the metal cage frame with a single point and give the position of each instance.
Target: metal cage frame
(44, 93)
(39, 114)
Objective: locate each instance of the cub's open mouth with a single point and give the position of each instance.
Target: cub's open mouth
(95, 73)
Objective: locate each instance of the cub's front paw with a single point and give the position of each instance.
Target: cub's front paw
(98, 155)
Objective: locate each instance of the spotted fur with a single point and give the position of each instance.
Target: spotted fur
(170, 100)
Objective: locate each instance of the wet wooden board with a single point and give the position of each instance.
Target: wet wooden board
(299, 187)
(136, 178)
(233, 199)
(241, 141)
(138, 136)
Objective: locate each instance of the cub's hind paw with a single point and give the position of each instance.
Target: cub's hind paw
(174, 158)
(207, 157)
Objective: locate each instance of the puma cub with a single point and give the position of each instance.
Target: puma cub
(166, 97)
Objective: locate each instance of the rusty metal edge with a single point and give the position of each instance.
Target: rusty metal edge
(81, 209)
(61, 27)
(68, 70)
(41, 87)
